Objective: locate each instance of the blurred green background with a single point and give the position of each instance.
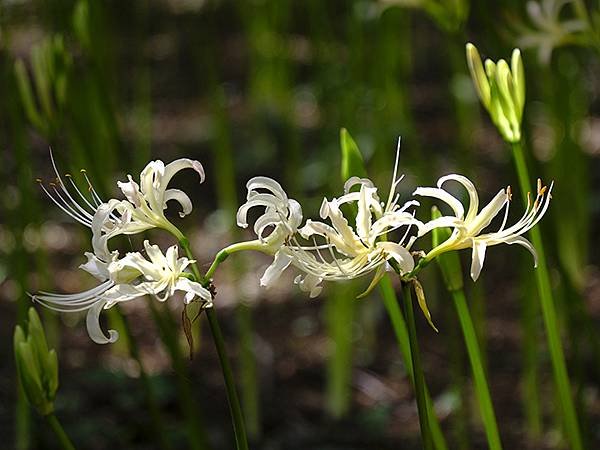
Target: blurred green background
(263, 88)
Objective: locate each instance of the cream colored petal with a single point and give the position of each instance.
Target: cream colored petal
(332, 211)
(274, 271)
(268, 184)
(309, 283)
(150, 184)
(441, 222)
(444, 196)
(354, 181)
(488, 213)
(477, 258)
(155, 254)
(471, 191)
(93, 326)
(181, 198)
(172, 257)
(179, 164)
(131, 190)
(400, 254)
(363, 218)
(96, 267)
(194, 288)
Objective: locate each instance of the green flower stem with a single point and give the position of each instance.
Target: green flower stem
(542, 277)
(418, 370)
(400, 330)
(237, 418)
(65, 442)
(481, 385)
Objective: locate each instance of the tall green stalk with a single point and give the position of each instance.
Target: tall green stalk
(401, 332)
(419, 378)
(529, 313)
(481, 385)
(542, 276)
(237, 418)
(339, 315)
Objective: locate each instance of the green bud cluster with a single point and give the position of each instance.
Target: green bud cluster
(501, 89)
(37, 366)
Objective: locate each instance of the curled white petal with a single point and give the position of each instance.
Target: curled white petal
(92, 322)
(281, 261)
(477, 258)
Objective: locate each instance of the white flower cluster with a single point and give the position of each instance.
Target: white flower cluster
(336, 248)
(133, 275)
(353, 236)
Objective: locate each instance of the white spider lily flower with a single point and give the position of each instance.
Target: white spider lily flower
(551, 27)
(125, 279)
(344, 252)
(467, 229)
(146, 202)
(282, 215)
(142, 210)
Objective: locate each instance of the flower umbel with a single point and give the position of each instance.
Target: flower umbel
(125, 279)
(467, 229)
(282, 215)
(336, 250)
(142, 210)
(146, 202)
(550, 28)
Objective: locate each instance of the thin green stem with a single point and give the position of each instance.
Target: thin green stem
(235, 410)
(59, 431)
(418, 370)
(400, 330)
(542, 277)
(339, 312)
(481, 386)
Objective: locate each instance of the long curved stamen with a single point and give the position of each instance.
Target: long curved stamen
(72, 302)
(395, 181)
(85, 216)
(508, 199)
(83, 197)
(60, 205)
(96, 198)
(62, 185)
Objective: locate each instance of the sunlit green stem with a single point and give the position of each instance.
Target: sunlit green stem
(530, 327)
(401, 332)
(542, 276)
(418, 370)
(65, 442)
(481, 384)
(235, 410)
(339, 314)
